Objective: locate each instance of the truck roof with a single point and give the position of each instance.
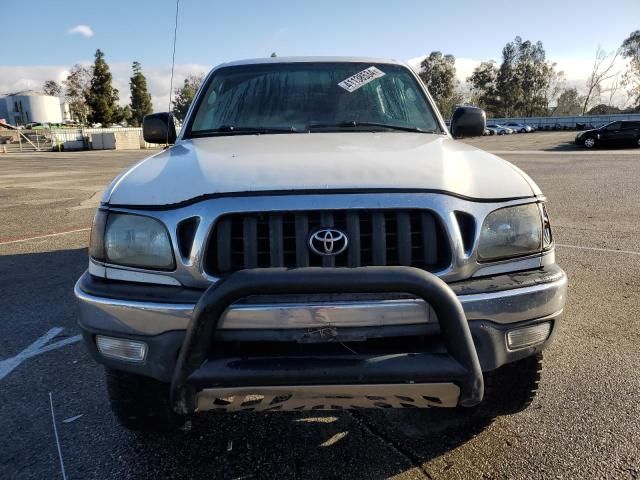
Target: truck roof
(318, 59)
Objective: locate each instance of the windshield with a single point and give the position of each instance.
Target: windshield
(310, 97)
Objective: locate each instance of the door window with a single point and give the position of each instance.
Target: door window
(630, 125)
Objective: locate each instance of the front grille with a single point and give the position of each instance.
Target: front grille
(280, 239)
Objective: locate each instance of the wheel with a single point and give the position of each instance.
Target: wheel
(141, 403)
(509, 389)
(638, 142)
(590, 142)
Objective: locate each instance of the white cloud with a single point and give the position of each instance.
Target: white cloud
(84, 30)
(13, 79)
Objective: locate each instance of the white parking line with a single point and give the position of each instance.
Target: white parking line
(36, 348)
(565, 152)
(609, 250)
(29, 239)
(55, 432)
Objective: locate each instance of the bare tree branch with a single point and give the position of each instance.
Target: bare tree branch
(603, 66)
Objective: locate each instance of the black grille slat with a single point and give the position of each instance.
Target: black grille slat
(224, 245)
(404, 238)
(411, 237)
(302, 233)
(326, 219)
(353, 233)
(250, 241)
(378, 239)
(429, 238)
(276, 251)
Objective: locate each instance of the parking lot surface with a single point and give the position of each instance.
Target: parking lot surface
(583, 424)
(537, 141)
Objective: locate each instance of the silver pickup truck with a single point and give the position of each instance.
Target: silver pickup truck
(314, 238)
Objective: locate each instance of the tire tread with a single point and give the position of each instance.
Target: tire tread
(511, 388)
(141, 403)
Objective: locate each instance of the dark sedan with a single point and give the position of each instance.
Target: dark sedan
(620, 133)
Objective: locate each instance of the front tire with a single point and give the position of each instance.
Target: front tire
(509, 389)
(141, 403)
(590, 142)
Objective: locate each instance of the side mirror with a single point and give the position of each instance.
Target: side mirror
(159, 128)
(468, 122)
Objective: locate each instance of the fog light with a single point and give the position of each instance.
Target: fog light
(527, 336)
(121, 348)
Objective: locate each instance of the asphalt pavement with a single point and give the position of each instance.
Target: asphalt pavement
(583, 424)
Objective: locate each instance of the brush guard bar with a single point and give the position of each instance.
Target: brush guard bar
(460, 365)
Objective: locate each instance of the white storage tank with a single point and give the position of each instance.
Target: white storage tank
(28, 107)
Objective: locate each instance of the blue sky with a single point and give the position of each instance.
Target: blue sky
(38, 42)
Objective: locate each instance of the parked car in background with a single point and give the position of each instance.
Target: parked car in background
(500, 129)
(614, 134)
(519, 127)
(487, 132)
(492, 131)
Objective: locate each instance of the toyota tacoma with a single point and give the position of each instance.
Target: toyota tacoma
(315, 238)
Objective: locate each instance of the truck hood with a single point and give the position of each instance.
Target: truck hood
(317, 161)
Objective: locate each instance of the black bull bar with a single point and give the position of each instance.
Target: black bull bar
(461, 353)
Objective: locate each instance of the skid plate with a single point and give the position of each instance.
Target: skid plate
(328, 397)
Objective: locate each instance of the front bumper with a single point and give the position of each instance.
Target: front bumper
(491, 306)
(136, 309)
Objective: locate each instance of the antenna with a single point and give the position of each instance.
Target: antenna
(173, 64)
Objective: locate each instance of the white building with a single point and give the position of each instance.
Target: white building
(26, 107)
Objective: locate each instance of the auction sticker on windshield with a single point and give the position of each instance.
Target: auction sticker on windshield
(356, 81)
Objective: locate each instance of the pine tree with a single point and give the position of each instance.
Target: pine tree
(102, 98)
(140, 97)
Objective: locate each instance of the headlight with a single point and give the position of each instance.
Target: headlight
(511, 232)
(131, 240)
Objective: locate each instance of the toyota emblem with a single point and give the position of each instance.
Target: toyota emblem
(328, 241)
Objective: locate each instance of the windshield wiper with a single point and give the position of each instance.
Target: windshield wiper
(353, 124)
(232, 130)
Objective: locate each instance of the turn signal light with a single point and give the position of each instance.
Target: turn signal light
(528, 336)
(121, 348)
